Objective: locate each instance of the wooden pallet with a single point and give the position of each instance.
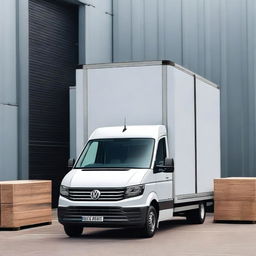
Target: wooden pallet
(235, 199)
(24, 203)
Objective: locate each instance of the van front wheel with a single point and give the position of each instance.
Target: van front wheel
(73, 230)
(150, 225)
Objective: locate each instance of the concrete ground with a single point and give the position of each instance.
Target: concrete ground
(173, 238)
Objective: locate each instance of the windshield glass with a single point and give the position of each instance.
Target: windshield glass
(117, 153)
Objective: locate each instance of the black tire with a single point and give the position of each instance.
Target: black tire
(73, 231)
(150, 225)
(197, 216)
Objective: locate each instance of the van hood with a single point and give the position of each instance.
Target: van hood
(104, 177)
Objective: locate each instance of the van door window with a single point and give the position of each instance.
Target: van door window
(161, 152)
(91, 154)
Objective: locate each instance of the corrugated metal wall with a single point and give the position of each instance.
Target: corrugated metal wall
(215, 39)
(98, 35)
(8, 99)
(95, 31)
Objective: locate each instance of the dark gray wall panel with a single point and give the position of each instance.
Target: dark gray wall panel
(212, 52)
(190, 34)
(172, 38)
(151, 29)
(98, 35)
(52, 63)
(234, 86)
(251, 72)
(122, 27)
(95, 31)
(138, 33)
(23, 87)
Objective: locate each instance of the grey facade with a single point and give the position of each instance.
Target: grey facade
(12, 49)
(215, 39)
(94, 15)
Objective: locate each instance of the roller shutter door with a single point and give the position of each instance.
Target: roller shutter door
(52, 62)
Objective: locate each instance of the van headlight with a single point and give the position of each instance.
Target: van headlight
(134, 191)
(64, 191)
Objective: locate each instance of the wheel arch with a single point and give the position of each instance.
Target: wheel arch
(153, 200)
(156, 206)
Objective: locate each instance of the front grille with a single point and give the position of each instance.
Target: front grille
(110, 214)
(81, 194)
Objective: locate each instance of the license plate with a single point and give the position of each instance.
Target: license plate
(92, 218)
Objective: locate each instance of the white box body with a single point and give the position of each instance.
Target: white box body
(155, 93)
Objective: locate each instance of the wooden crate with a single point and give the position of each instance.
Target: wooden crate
(235, 199)
(25, 202)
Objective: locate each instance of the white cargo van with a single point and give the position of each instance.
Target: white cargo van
(151, 132)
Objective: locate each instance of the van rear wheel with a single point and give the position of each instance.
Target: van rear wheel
(197, 216)
(73, 230)
(150, 225)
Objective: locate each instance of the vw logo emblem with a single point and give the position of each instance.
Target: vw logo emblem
(95, 194)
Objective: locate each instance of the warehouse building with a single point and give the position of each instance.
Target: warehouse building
(43, 42)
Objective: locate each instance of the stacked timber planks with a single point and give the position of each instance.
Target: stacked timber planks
(235, 199)
(25, 202)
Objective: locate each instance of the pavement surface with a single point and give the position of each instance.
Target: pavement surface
(173, 238)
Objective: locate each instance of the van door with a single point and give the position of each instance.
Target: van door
(163, 182)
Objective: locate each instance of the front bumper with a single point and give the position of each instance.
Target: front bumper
(112, 216)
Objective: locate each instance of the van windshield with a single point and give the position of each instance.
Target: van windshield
(117, 153)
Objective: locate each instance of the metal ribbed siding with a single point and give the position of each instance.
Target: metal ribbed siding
(52, 62)
(215, 39)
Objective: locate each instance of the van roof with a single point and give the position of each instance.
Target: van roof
(147, 63)
(133, 131)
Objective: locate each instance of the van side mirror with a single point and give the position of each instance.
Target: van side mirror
(168, 166)
(71, 162)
